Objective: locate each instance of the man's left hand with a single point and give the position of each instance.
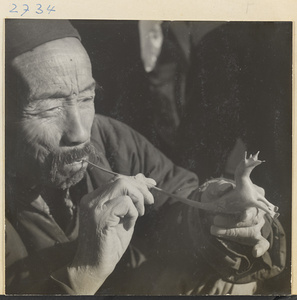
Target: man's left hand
(244, 229)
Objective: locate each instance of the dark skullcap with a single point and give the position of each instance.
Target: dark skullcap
(24, 35)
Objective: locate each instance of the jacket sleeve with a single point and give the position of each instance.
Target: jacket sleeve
(129, 153)
(234, 261)
(19, 269)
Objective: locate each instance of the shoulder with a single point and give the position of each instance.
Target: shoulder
(107, 130)
(103, 123)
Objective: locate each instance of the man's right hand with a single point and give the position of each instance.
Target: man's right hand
(107, 219)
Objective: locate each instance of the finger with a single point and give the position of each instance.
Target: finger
(246, 236)
(149, 182)
(124, 186)
(226, 221)
(260, 224)
(250, 217)
(100, 194)
(124, 210)
(261, 247)
(247, 218)
(140, 183)
(137, 198)
(120, 186)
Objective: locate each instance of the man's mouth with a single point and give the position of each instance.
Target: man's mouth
(77, 165)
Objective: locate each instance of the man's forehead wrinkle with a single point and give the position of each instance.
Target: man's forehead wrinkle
(60, 74)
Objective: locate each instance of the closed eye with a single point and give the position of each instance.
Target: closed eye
(87, 99)
(52, 108)
(42, 112)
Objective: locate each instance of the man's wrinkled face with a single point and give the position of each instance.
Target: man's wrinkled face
(57, 112)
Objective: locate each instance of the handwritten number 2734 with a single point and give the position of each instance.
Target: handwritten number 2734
(38, 11)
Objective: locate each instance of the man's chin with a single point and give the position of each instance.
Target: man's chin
(69, 182)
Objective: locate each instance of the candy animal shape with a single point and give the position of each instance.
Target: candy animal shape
(249, 195)
(245, 194)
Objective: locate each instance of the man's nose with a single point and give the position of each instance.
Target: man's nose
(75, 129)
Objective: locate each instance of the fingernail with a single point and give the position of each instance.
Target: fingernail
(257, 252)
(216, 231)
(151, 181)
(150, 199)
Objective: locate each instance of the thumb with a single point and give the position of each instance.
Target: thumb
(121, 210)
(261, 247)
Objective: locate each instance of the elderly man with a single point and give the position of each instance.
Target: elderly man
(68, 225)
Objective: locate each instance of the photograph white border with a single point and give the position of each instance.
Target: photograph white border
(210, 10)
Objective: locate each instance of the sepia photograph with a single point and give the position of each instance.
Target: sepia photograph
(148, 157)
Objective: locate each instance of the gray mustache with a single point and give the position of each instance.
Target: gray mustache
(72, 155)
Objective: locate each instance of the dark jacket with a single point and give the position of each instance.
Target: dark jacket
(171, 251)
